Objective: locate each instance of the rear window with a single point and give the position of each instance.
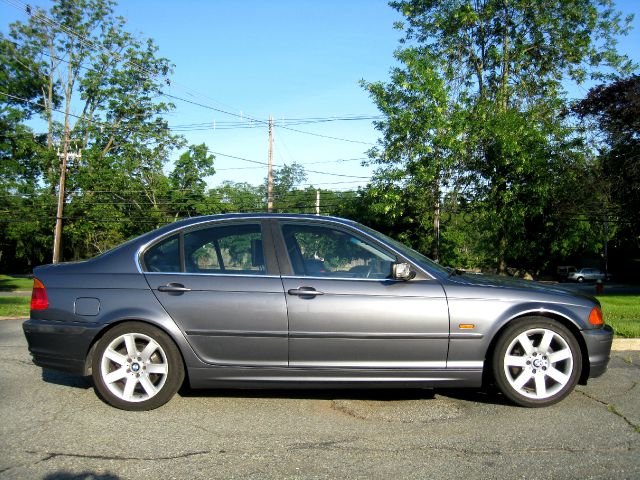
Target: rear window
(226, 249)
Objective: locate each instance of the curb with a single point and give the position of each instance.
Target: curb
(625, 344)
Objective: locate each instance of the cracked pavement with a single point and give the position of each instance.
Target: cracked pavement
(54, 427)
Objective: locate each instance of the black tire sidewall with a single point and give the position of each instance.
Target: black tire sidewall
(510, 333)
(174, 379)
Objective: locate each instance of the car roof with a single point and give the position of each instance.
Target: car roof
(186, 222)
(222, 216)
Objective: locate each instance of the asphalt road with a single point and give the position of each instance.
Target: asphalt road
(54, 427)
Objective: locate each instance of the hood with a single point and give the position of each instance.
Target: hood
(483, 280)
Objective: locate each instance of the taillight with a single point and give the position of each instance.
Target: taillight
(39, 300)
(595, 317)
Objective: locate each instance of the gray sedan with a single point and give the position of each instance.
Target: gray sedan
(303, 301)
(587, 274)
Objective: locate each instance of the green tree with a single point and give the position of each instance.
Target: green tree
(496, 68)
(187, 181)
(85, 61)
(288, 197)
(616, 109)
(418, 152)
(237, 197)
(22, 156)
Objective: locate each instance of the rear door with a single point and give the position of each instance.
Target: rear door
(221, 285)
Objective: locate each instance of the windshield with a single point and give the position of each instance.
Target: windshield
(416, 257)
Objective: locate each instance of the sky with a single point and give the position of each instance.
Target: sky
(289, 59)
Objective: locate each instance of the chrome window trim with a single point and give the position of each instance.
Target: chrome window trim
(141, 250)
(361, 232)
(245, 275)
(349, 224)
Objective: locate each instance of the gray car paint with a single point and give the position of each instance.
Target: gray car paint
(412, 316)
(404, 324)
(229, 319)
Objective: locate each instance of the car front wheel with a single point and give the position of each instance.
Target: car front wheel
(536, 362)
(137, 367)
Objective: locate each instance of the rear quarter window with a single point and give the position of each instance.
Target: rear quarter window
(163, 256)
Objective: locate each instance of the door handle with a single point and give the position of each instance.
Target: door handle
(305, 291)
(173, 288)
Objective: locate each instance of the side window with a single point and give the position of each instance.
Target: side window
(164, 256)
(225, 249)
(319, 251)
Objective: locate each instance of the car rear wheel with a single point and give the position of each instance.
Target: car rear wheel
(536, 362)
(137, 367)
(580, 279)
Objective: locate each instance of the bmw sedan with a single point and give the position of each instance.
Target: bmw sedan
(269, 300)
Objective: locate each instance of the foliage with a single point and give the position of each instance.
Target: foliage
(474, 113)
(419, 150)
(616, 109)
(480, 163)
(79, 54)
(187, 182)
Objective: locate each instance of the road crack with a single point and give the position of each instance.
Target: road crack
(612, 408)
(53, 455)
(327, 445)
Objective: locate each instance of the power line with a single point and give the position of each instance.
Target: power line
(222, 125)
(310, 171)
(264, 122)
(91, 45)
(202, 105)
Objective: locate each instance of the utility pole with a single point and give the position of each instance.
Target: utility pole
(64, 157)
(606, 243)
(436, 229)
(270, 173)
(318, 202)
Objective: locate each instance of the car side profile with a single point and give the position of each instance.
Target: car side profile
(587, 274)
(275, 300)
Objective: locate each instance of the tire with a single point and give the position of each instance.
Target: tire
(580, 279)
(536, 362)
(137, 367)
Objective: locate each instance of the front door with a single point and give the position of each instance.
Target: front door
(345, 311)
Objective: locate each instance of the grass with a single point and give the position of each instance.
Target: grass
(14, 306)
(11, 284)
(622, 312)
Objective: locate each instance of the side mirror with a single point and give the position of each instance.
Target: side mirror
(402, 271)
